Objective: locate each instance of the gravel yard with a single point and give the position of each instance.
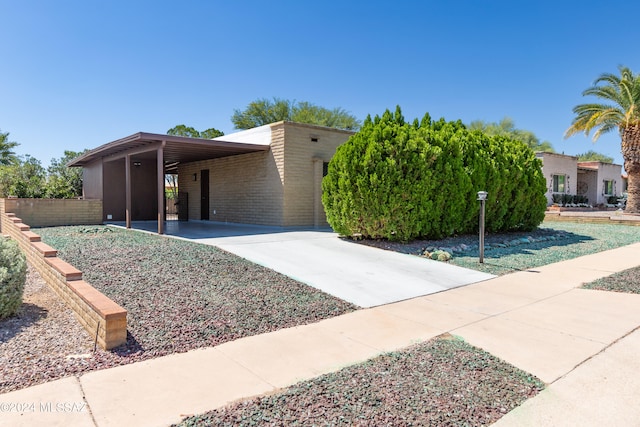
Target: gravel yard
(552, 242)
(624, 281)
(443, 382)
(179, 296)
(43, 342)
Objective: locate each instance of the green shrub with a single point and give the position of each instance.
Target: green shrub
(399, 181)
(13, 273)
(612, 200)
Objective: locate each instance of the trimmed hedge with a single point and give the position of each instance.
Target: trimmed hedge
(13, 275)
(400, 181)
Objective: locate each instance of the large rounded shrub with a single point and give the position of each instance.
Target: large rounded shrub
(400, 181)
(13, 273)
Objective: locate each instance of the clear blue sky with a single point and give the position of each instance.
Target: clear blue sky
(78, 74)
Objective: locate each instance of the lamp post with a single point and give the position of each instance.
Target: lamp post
(482, 196)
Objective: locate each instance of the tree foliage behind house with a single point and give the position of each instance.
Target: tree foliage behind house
(594, 156)
(400, 181)
(264, 111)
(507, 128)
(190, 132)
(25, 177)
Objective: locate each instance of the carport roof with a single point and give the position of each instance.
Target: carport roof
(177, 149)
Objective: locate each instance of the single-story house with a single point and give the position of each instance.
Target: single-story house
(269, 175)
(566, 175)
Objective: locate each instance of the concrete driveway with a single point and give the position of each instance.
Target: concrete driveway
(359, 274)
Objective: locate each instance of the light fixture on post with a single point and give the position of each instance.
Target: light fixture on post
(482, 197)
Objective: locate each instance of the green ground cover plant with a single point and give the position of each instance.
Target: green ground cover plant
(400, 181)
(444, 381)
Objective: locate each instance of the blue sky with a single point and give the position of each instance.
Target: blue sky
(78, 74)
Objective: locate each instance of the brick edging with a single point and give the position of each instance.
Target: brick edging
(94, 310)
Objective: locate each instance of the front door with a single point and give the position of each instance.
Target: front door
(204, 194)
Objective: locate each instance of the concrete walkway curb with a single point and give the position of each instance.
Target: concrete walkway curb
(537, 320)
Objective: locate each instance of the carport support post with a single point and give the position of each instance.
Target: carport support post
(160, 157)
(127, 185)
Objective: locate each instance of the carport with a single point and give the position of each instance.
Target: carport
(137, 164)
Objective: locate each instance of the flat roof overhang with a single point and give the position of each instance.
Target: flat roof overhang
(177, 149)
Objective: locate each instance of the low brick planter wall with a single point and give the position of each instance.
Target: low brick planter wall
(103, 319)
(53, 212)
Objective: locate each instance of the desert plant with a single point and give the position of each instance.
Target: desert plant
(13, 273)
(612, 200)
(399, 181)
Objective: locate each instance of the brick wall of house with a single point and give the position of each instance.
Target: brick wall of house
(103, 319)
(304, 145)
(280, 187)
(246, 188)
(54, 212)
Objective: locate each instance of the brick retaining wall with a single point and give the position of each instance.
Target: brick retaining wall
(94, 311)
(53, 212)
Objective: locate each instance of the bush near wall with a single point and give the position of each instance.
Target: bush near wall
(13, 274)
(400, 181)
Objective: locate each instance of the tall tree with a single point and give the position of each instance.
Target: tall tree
(7, 155)
(620, 111)
(264, 111)
(23, 178)
(64, 182)
(593, 156)
(188, 131)
(506, 127)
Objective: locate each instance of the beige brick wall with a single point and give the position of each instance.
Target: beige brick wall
(280, 187)
(247, 188)
(53, 212)
(302, 196)
(95, 312)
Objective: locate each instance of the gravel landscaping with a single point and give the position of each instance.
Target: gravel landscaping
(443, 382)
(624, 281)
(43, 342)
(507, 253)
(179, 296)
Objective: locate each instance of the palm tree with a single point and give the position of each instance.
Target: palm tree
(7, 156)
(621, 113)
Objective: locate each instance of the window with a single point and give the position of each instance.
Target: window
(559, 183)
(607, 188)
(325, 169)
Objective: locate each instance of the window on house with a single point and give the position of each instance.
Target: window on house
(608, 188)
(325, 169)
(559, 183)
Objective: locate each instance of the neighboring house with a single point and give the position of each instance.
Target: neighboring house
(566, 175)
(269, 175)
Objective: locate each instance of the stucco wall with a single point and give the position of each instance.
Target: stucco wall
(114, 193)
(607, 172)
(92, 184)
(559, 164)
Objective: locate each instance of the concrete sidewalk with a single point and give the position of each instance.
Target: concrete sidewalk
(581, 342)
